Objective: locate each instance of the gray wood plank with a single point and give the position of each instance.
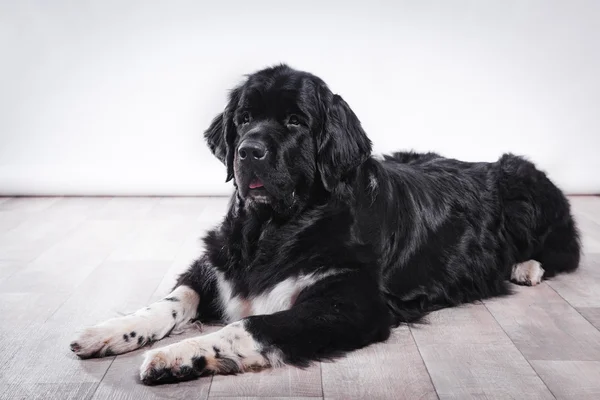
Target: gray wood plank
(490, 371)
(571, 379)
(111, 288)
(589, 228)
(48, 391)
(8, 268)
(544, 327)
(582, 287)
(64, 265)
(154, 240)
(213, 210)
(126, 208)
(592, 314)
(36, 233)
(468, 355)
(122, 379)
(470, 323)
(258, 398)
(27, 204)
(67, 206)
(179, 207)
(58, 279)
(190, 250)
(281, 382)
(586, 206)
(391, 370)
(122, 382)
(21, 317)
(15, 210)
(272, 382)
(37, 289)
(44, 357)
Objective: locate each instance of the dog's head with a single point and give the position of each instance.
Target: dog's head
(284, 135)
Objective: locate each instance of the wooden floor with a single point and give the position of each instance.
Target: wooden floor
(69, 262)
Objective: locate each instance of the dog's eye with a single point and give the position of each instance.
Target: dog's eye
(245, 117)
(293, 120)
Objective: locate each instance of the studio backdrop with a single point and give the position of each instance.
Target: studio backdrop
(111, 97)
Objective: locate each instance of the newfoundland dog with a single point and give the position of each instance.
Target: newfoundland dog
(325, 247)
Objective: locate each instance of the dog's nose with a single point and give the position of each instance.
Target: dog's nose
(252, 150)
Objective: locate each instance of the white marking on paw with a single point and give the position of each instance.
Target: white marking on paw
(528, 273)
(231, 349)
(120, 335)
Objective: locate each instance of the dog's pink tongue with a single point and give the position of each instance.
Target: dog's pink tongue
(256, 184)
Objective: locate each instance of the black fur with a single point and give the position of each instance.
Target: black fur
(407, 235)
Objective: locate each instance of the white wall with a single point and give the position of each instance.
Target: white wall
(111, 97)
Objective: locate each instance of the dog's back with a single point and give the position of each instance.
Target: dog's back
(458, 229)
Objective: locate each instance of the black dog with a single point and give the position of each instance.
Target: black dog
(325, 248)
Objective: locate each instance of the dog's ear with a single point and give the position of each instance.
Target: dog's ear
(215, 138)
(221, 133)
(343, 145)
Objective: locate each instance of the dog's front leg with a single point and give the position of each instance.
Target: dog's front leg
(229, 350)
(324, 323)
(194, 297)
(130, 332)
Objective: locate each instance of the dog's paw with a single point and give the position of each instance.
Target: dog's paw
(115, 336)
(228, 351)
(171, 364)
(528, 273)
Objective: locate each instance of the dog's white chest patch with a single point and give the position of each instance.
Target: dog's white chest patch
(280, 297)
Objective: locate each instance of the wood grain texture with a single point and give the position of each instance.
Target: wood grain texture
(122, 379)
(589, 228)
(391, 370)
(468, 355)
(125, 208)
(581, 288)
(545, 327)
(184, 207)
(272, 382)
(69, 262)
(153, 240)
(28, 205)
(587, 207)
(592, 314)
(258, 398)
(122, 382)
(571, 379)
(44, 356)
(15, 212)
(20, 208)
(8, 268)
(490, 371)
(470, 323)
(48, 391)
(282, 382)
